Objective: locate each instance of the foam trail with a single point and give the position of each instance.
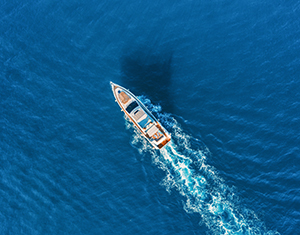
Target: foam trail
(204, 191)
(216, 211)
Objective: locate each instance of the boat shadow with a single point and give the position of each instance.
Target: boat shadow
(149, 74)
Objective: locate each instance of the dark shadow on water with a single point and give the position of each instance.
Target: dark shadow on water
(149, 74)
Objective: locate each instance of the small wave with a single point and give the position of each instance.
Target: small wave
(205, 192)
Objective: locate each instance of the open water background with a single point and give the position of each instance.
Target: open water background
(222, 75)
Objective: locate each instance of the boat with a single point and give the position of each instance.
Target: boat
(141, 117)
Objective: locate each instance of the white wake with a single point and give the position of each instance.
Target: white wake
(204, 191)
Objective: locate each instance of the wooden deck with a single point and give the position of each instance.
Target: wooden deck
(124, 97)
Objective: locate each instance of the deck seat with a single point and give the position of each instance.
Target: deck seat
(124, 97)
(152, 130)
(138, 114)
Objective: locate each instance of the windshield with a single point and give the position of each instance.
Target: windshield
(132, 106)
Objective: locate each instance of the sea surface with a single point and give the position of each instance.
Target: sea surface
(222, 76)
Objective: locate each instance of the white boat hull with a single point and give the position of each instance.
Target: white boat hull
(141, 117)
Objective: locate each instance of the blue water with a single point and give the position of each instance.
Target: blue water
(223, 78)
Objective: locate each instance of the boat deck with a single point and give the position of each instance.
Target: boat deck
(141, 117)
(124, 97)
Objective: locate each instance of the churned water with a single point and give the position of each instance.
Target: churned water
(222, 77)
